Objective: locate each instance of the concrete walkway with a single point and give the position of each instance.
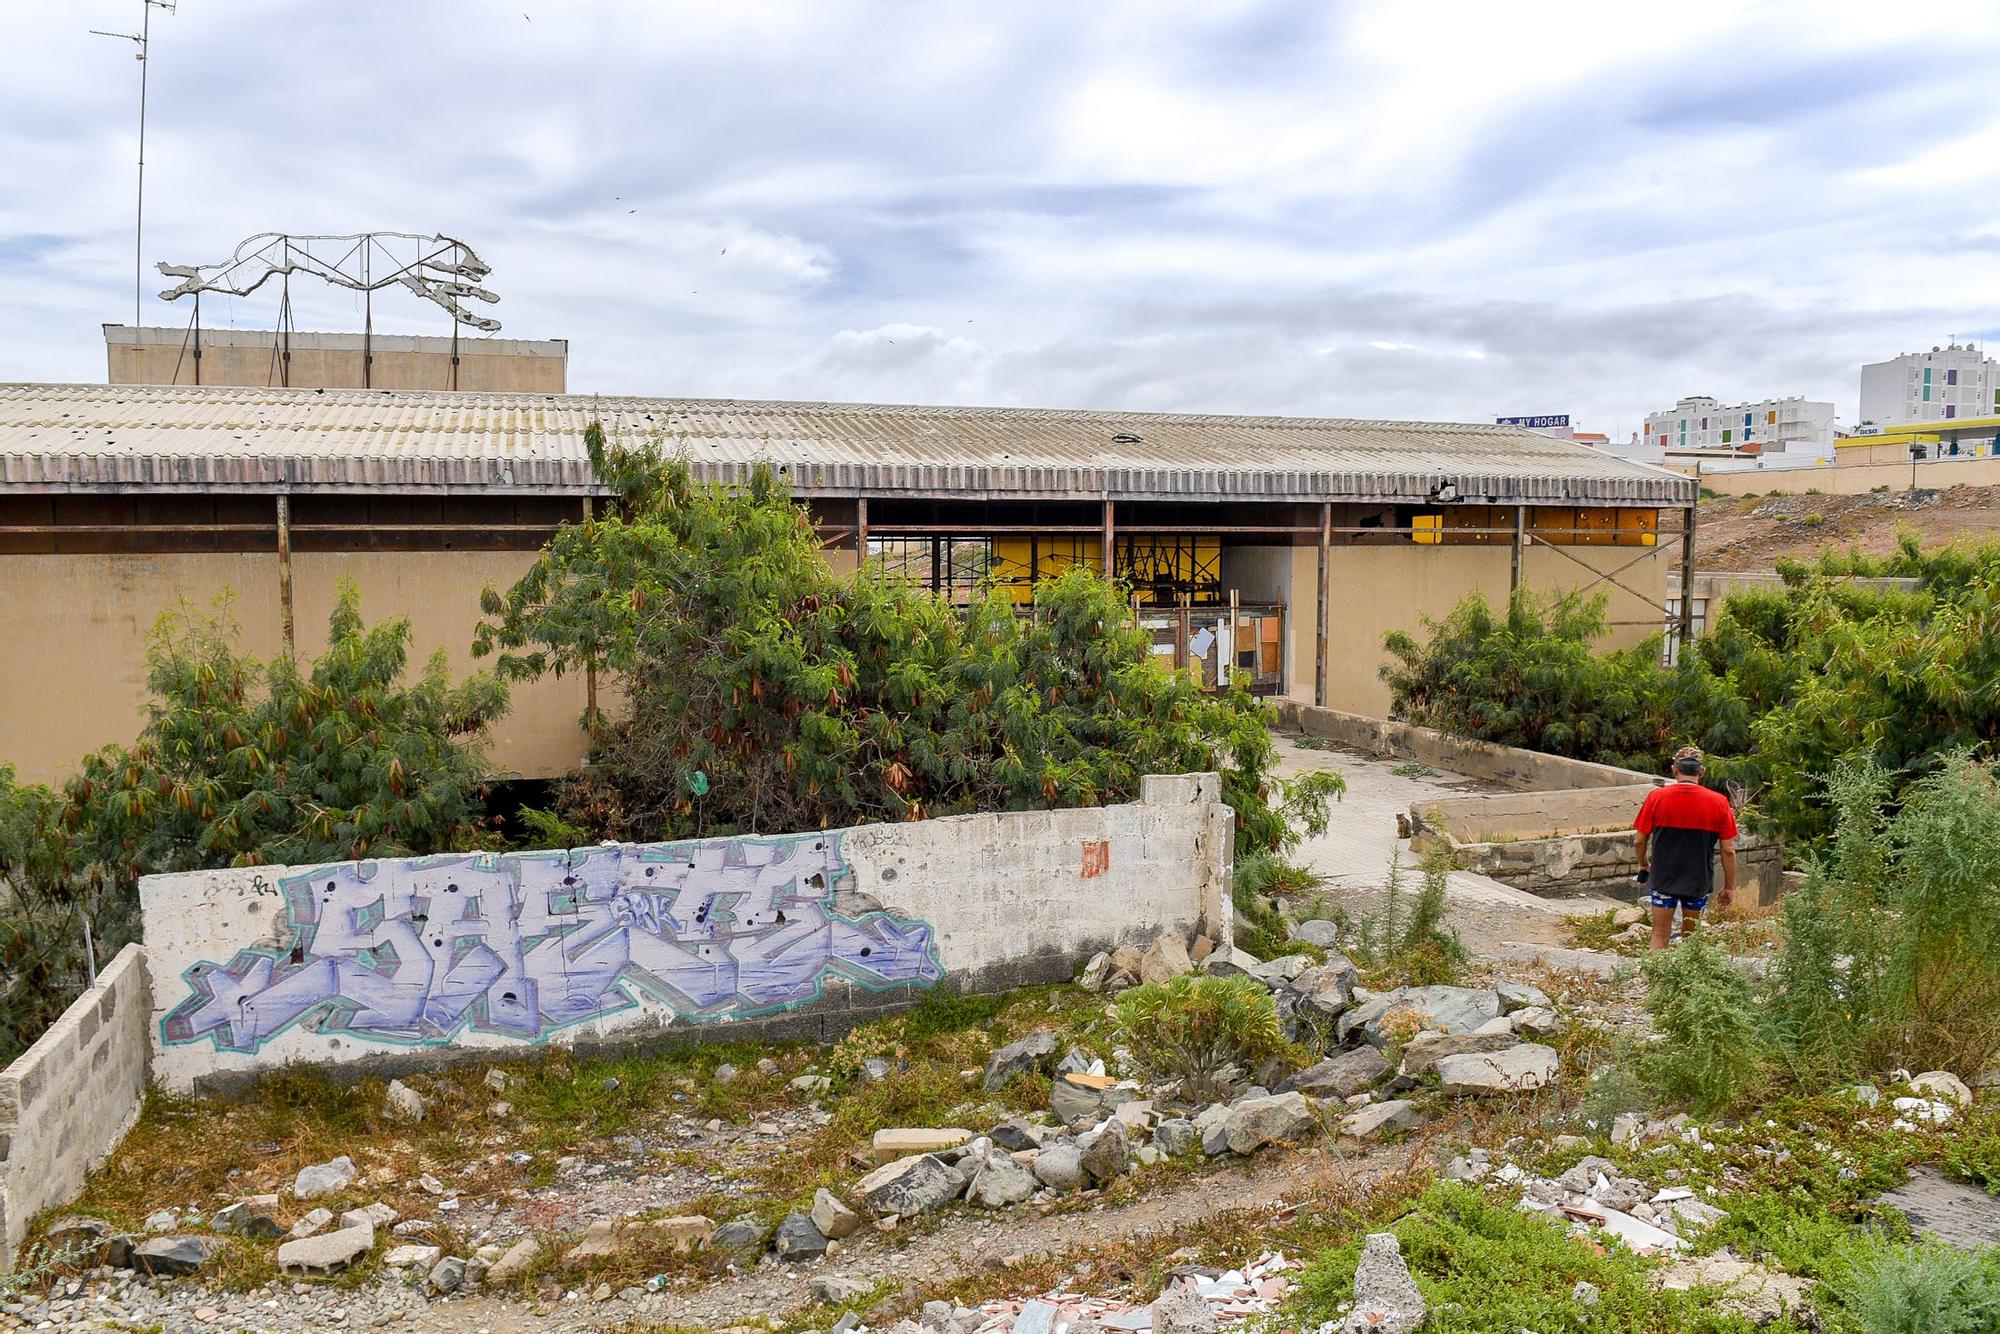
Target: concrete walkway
(1353, 855)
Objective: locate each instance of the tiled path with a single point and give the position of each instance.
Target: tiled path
(1354, 853)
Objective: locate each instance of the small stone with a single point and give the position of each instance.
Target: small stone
(1944, 1085)
(327, 1253)
(832, 1217)
(500, 1110)
(403, 1103)
(725, 1073)
(810, 1084)
(798, 1241)
(1284, 1118)
(741, 1234)
(162, 1220)
(1375, 1121)
(938, 1316)
(168, 1257)
(514, 1262)
(1095, 973)
(374, 1215)
(310, 1223)
(1628, 917)
(447, 1275)
(1165, 959)
(1584, 1293)
(1386, 1299)
(1014, 1135)
(1059, 1167)
(1317, 931)
(497, 1080)
(1230, 962)
(1109, 1153)
(1019, 1057)
(1175, 1137)
(1865, 1094)
(326, 1178)
(1536, 1021)
(875, 1069)
(999, 1183)
(1627, 1128)
(412, 1256)
(1520, 996)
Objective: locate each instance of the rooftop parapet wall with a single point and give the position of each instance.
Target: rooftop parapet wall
(67, 1101)
(403, 963)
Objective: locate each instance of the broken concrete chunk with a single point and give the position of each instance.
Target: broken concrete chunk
(1032, 1052)
(832, 1217)
(412, 1256)
(327, 1253)
(1182, 1311)
(1386, 1299)
(374, 1215)
(403, 1103)
(323, 1178)
(311, 1223)
(890, 1145)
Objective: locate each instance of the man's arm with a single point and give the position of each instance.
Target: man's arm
(1728, 850)
(1640, 841)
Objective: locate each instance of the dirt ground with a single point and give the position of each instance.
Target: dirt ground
(1753, 532)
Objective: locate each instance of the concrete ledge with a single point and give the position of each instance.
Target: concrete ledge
(67, 1101)
(1566, 865)
(1509, 766)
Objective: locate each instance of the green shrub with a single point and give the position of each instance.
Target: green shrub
(1915, 1288)
(1192, 1027)
(1406, 938)
(1706, 1014)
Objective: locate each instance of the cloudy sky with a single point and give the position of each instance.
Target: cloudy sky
(1440, 210)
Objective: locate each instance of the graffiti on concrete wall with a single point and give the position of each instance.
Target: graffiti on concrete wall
(416, 951)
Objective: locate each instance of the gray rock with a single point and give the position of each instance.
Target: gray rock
(327, 1253)
(741, 1234)
(1175, 1136)
(1520, 996)
(913, 1185)
(403, 1103)
(1095, 973)
(1075, 1061)
(1283, 1118)
(1579, 1179)
(1059, 1167)
(798, 1240)
(832, 1217)
(1386, 1300)
(937, 1316)
(1317, 931)
(1165, 959)
(1400, 1013)
(412, 1255)
(1584, 1293)
(1942, 1085)
(1378, 1119)
(1515, 1070)
(1275, 973)
(1536, 1021)
(92, 1241)
(326, 1178)
(1865, 1094)
(1341, 1077)
(1109, 1153)
(1327, 990)
(1029, 1053)
(496, 1080)
(1000, 1182)
(1179, 1311)
(161, 1220)
(447, 1275)
(1014, 1135)
(1231, 962)
(1092, 1096)
(725, 1073)
(1425, 1050)
(170, 1256)
(875, 1069)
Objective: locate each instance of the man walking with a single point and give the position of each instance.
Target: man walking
(1680, 828)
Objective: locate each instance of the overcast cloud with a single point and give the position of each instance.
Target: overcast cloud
(1442, 210)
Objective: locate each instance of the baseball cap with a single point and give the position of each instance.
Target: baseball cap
(1688, 759)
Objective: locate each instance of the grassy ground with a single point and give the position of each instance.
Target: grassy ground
(1742, 929)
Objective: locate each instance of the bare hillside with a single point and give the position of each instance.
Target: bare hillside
(1752, 532)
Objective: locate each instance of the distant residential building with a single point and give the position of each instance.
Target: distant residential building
(1943, 384)
(1796, 427)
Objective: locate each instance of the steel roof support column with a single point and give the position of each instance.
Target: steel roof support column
(1520, 540)
(1108, 556)
(1319, 628)
(860, 530)
(1686, 628)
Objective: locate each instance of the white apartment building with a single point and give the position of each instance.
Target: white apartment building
(1795, 427)
(1942, 384)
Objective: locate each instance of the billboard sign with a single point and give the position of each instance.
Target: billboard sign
(1534, 423)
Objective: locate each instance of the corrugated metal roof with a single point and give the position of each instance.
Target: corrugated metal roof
(182, 438)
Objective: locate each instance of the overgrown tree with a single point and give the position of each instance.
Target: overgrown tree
(763, 692)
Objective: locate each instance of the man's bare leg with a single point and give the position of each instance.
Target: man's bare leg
(1663, 927)
(1690, 919)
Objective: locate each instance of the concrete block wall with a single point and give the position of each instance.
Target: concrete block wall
(1605, 863)
(67, 1101)
(1509, 766)
(405, 963)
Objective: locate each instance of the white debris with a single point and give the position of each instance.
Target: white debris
(1235, 1298)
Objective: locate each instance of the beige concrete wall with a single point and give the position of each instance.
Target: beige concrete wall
(73, 663)
(1858, 479)
(154, 355)
(1375, 589)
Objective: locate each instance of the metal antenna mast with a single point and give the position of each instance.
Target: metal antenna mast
(143, 40)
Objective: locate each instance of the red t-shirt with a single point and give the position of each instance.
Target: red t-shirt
(1685, 821)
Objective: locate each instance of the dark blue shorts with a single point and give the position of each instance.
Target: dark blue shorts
(1681, 901)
